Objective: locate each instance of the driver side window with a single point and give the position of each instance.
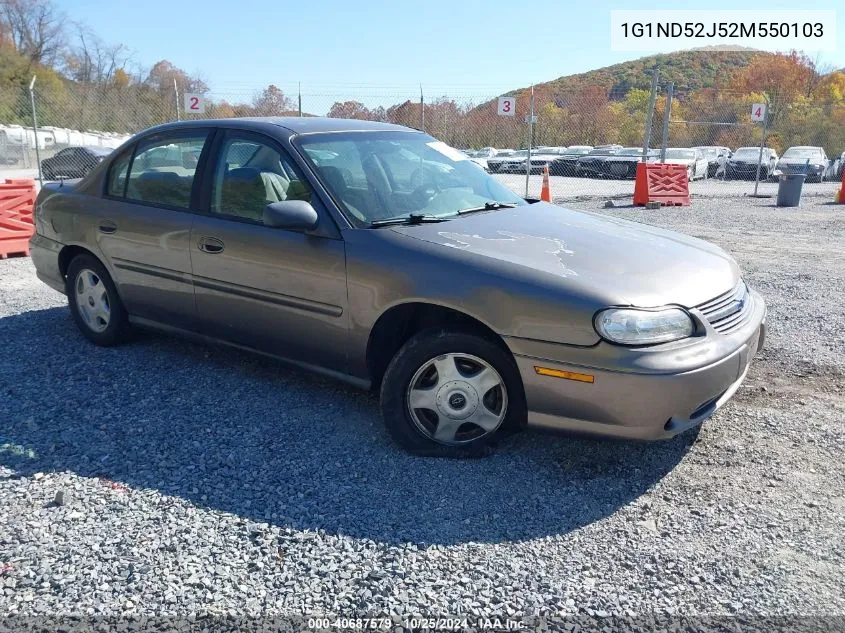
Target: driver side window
(251, 174)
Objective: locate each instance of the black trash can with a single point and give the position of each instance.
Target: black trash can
(789, 189)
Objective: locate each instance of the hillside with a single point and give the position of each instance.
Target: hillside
(690, 70)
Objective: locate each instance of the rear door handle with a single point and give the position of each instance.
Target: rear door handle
(211, 245)
(107, 226)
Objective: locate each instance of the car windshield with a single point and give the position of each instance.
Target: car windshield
(523, 153)
(602, 152)
(680, 153)
(381, 175)
(576, 151)
(802, 152)
(631, 151)
(748, 151)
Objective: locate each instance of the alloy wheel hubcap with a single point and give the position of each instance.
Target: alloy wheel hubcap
(92, 300)
(457, 398)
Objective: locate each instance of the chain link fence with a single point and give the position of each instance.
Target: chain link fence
(68, 128)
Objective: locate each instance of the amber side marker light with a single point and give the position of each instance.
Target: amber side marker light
(568, 375)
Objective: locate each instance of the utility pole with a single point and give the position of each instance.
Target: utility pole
(670, 92)
(655, 76)
(299, 97)
(35, 128)
(530, 142)
(762, 143)
(422, 110)
(176, 92)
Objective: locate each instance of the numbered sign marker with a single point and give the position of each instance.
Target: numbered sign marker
(758, 112)
(194, 104)
(507, 106)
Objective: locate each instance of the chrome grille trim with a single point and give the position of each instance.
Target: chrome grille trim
(728, 311)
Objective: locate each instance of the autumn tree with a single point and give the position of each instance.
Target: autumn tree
(350, 110)
(272, 102)
(35, 28)
(91, 60)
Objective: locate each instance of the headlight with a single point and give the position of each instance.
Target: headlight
(630, 326)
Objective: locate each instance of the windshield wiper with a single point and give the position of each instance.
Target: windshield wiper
(488, 206)
(413, 218)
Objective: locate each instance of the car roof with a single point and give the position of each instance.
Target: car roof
(296, 125)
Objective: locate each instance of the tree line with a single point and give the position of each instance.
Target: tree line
(84, 82)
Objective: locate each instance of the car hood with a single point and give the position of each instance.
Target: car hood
(618, 261)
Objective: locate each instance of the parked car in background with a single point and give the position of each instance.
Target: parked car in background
(73, 162)
(692, 159)
(508, 164)
(471, 312)
(590, 163)
(743, 163)
(715, 155)
(623, 164)
(564, 165)
(474, 156)
(805, 159)
(543, 157)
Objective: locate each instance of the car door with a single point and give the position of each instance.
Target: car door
(270, 289)
(143, 226)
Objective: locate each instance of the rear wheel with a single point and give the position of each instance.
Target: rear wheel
(94, 303)
(451, 394)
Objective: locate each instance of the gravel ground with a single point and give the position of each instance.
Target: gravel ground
(194, 479)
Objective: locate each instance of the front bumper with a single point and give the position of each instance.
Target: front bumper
(656, 398)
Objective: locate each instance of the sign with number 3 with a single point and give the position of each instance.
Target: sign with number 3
(194, 103)
(507, 106)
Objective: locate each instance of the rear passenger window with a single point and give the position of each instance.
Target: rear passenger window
(117, 174)
(163, 170)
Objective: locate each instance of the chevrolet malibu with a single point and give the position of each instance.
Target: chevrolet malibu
(381, 256)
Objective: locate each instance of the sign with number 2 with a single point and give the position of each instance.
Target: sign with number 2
(194, 104)
(507, 106)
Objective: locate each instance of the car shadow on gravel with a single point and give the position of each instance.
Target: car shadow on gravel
(232, 432)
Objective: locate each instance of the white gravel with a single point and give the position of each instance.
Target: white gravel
(202, 480)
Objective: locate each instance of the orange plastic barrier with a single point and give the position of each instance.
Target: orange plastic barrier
(17, 200)
(546, 192)
(666, 184)
(840, 197)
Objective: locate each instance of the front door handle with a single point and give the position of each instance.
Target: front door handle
(211, 245)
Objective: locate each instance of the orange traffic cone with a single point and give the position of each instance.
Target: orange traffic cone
(840, 197)
(546, 192)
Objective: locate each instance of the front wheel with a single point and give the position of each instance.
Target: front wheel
(451, 394)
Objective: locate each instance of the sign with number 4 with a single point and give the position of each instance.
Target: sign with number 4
(194, 103)
(758, 112)
(507, 106)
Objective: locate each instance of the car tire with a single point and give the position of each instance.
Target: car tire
(94, 302)
(445, 372)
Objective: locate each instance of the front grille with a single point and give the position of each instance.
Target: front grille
(728, 311)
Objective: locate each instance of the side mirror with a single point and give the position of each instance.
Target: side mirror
(296, 215)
